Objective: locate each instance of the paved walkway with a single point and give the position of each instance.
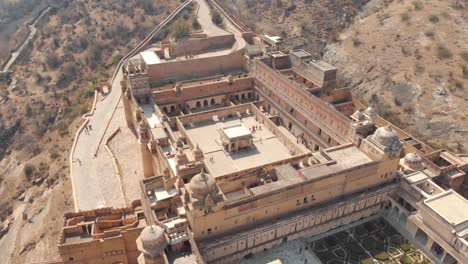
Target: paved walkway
(209, 28)
(95, 188)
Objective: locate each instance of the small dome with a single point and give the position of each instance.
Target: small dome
(143, 124)
(414, 161)
(180, 153)
(371, 111)
(385, 135)
(388, 138)
(359, 115)
(197, 149)
(197, 153)
(153, 239)
(202, 184)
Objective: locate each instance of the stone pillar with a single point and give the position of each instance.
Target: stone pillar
(146, 156)
(126, 100)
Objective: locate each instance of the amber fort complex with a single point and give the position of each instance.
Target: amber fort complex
(240, 145)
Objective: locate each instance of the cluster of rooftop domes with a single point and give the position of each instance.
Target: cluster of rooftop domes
(153, 240)
(388, 138)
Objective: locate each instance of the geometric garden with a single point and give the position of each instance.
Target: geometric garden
(375, 241)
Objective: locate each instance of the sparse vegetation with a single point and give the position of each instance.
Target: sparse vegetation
(405, 16)
(418, 4)
(356, 41)
(53, 60)
(28, 169)
(291, 7)
(443, 52)
(430, 34)
(216, 18)
(464, 71)
(434, 19)
(464, 55)
(196, 25)
(116, 58)
(180, 29)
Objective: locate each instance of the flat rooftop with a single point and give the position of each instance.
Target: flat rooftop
(266, 147)
(237, 130)
(150, 57)
(450, 206)
(346, 157)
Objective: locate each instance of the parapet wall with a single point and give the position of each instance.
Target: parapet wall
(195, 68)
(203, 90)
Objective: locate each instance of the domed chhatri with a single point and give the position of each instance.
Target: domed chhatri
(413, 161)
(371, 111)
(202, 185)
(359, 115)
(388, 138)
(197, 153)
(153, 240)
(181, 157)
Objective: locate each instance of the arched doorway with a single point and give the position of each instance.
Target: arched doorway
(205, 103)
(172, 109)
(164, 109)
(213, 102)
(395, 212)
(198, 104)
(403, 219)
(421, 237)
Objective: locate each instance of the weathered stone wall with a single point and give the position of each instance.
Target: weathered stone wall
(195, 68)
(322, 118)
(201, 45)
(306, 223)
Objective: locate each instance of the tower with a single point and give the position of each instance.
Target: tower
(143, 140)
(126, 100)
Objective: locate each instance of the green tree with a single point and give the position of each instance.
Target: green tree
(216, 18)
(180, 29)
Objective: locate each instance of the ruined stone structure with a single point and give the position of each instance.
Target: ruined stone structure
(241, 153)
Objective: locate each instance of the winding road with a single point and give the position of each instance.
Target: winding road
(32, 33)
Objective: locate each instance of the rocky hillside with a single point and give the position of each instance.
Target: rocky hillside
(77, 44)
(410, 57)
(308, 24)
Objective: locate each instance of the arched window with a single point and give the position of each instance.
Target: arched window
(172, 108)
(164, 109)
(205, 103)
(213, 102)
(198, 104)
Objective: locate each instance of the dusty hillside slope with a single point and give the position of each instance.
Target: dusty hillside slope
(307, 24)
(78, 43)
(411, 59)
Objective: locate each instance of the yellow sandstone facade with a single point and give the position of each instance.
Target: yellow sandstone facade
(242, 152)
